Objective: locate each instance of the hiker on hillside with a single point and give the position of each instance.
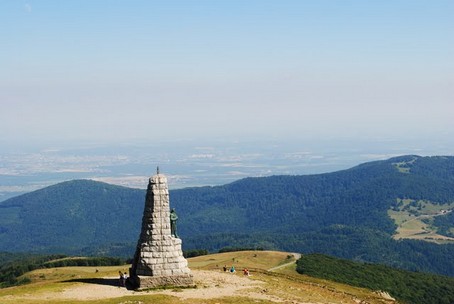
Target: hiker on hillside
(232, 270)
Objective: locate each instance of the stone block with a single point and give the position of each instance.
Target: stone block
(154, 247)
(145, 282)
(156, 237)
(146, 254)
(157, 273)
(183, 265)
(171, 260)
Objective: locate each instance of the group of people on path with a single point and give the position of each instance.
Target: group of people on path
(232, 270)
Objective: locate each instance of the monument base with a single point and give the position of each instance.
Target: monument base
(147, 282)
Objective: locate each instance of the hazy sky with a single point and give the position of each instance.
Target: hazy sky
(119, 70)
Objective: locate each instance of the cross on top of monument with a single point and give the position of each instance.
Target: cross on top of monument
(157, 170)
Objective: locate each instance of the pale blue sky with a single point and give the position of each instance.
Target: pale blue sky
(122, 70)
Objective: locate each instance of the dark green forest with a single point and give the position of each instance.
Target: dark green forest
(405, 286)
(343, 214)
(358, 197)
(445, 224)
(70, 216)
(345, 242)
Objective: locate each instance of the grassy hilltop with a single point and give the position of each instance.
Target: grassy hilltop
(265, 285)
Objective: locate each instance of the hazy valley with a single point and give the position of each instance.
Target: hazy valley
(189, 163)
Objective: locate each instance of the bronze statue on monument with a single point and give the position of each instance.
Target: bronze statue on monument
(173, 223)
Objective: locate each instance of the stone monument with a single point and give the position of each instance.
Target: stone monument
(158, 260)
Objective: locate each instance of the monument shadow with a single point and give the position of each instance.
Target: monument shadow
(101, 281)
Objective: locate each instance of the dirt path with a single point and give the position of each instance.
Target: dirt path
(210, 284)
(297, 256)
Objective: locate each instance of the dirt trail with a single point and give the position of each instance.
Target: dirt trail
(210, 284)
(297, 256)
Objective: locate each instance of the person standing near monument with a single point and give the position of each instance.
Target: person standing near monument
(173, 223)
(121, 280)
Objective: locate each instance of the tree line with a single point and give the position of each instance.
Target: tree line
(405, 286)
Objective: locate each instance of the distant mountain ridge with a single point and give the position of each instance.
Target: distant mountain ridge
(69, 216)
(359, 197)
(343, 213)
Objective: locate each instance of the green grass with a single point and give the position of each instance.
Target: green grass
(402, 166)
(240, 259)
(285, 285)
(414, 220)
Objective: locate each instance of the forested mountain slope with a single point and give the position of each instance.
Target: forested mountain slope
(358, 197)
(70, 216)
(343, 213)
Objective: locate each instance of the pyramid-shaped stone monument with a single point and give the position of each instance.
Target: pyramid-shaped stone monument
(159, 260)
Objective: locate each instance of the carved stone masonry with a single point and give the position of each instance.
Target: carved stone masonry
(158, 260)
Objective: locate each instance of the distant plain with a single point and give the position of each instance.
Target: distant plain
(190, 162)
